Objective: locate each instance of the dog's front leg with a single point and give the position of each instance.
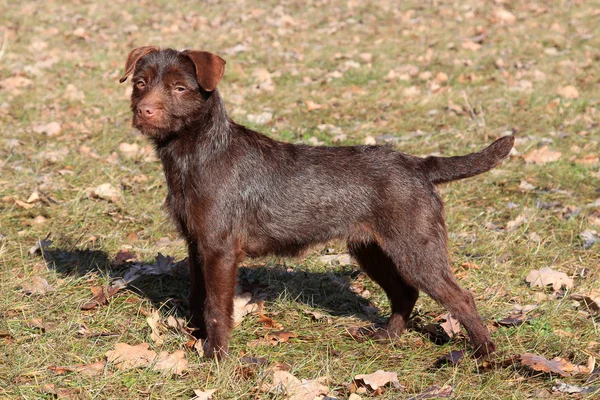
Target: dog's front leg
(220, 276)
(197, 298)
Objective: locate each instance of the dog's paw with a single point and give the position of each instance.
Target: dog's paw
(214, 350)
(485, 350)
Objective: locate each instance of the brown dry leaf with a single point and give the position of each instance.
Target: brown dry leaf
(469, 45)
(295, 389)
(513, 320)
(51, 129)
(525, 186)
(92, 369)
(13, 83)
(174, 363)
(203, 395)
(514, 224)
(157, 327)
(243, 305)
(591, 302)
(38, 285)
(311, 105)
(125, 356)
(268, 322)
(129, 150)
(450, 325)
(275, 338)
(542, 156)
(23, 204)
(106, 191)
(99, 298)
(547, 276)
(124, 256)
(62, 393)
(454, 358)
(557, 365)
(590, 159)
(503, 16)
(317, 316)
(568, 92)
(378, 379)
(563, 387)
(434, 392)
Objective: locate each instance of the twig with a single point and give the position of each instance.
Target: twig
(4, 43)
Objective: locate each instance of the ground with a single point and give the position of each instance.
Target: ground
(429, 77)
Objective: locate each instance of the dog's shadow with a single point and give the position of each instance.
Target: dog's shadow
(328, 290)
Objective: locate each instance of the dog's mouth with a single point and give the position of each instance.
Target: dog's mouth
(147, 126)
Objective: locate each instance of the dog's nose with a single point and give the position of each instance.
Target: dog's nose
(146, 110)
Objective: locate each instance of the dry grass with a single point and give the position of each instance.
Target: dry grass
(336, 54)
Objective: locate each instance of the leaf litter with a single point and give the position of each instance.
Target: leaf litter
(125, 356)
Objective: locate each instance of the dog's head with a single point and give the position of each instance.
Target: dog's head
(170, 87)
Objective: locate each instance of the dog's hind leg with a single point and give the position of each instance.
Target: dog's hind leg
(426, 267)
(402, 296)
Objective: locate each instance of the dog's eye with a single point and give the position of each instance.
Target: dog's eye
(140, 84)
(179, 89)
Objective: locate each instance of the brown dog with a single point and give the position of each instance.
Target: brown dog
(235, 192)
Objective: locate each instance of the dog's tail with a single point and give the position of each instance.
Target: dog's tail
(447, 169)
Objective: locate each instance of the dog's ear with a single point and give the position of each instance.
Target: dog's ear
(133, 58)
(209, 68)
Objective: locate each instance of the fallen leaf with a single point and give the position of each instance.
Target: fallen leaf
(513, 320)
(124, 256)
(260, 119)
(295, 389)
(311, 105)
(434, 392)
(512, 225)
(317, 316)
(129, 150)
(469, 45)
(39, 246)
(450, 325)
(542, 156)
(549, 277)
(203, 395)
(38, 285)
(563, 387)
(23, 204)
(590, 160)
(106, 191)
(125, 356)
(275, 338)
(591, 237)
(92, 369)
(568, 92)
(591, 303)
(557, 365)
(453, 358)
(174, 363)
(341, 259)
(525, 186)
(157, 328)
(501, 15)
(99, 298)
(378, 379)
(51, 129)
(268, 322)
(13, 83)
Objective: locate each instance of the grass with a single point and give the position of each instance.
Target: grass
(511, 82)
